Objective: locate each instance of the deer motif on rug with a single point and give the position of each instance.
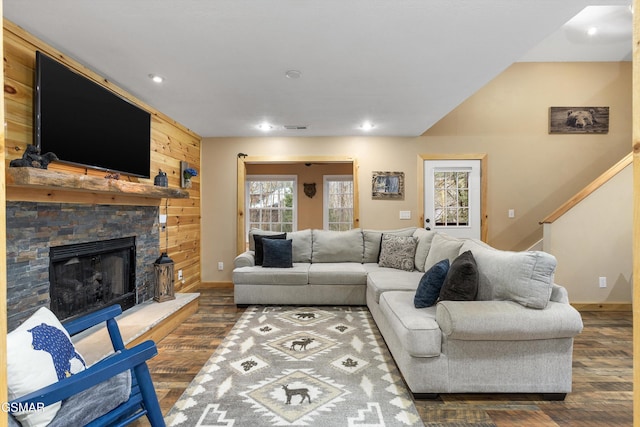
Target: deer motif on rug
(290, 392)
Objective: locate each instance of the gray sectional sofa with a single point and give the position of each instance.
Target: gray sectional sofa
(514, 336)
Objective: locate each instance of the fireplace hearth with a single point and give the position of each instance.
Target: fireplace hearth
(85, 277)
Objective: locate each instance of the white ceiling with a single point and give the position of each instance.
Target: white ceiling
(402, 65)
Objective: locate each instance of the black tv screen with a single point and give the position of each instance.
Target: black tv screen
(86, 124)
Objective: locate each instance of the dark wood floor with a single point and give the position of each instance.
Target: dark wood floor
(602, 375)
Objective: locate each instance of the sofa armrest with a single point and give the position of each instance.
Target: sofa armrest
(506, 321)
(559, 294)
(245, 259)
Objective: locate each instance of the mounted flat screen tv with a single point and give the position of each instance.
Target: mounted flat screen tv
(86, 124)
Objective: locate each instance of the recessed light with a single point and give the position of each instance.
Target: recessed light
(156, 78)
(367, 126)
(592, 31)
(293, 74)
(265, 127)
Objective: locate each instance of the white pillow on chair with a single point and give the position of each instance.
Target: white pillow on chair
(39, 353)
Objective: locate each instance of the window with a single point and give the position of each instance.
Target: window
(338, 202)
(271, 202)
(451, 197)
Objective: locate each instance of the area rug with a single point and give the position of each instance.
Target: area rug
(298, 366)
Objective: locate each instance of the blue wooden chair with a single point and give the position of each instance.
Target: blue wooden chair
(142, 399)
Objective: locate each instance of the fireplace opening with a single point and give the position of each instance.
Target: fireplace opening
(85, 277)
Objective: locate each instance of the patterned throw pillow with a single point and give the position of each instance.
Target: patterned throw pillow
(429, 287)
(397, 252)
(39, 353)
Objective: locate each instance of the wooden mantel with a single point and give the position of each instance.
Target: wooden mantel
(24, 178)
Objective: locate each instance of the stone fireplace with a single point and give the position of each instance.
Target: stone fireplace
(33, 229)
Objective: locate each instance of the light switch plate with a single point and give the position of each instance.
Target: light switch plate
(405, 214)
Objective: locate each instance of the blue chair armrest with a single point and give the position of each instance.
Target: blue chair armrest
(95, 374)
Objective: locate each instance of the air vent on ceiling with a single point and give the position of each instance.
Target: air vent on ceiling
(295, 127)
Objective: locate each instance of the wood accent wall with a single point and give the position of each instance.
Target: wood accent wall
(635, 145)
(170, 143)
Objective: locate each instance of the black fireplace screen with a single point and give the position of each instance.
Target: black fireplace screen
(88, 276)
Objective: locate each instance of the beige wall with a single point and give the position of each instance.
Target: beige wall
(592, 240)
(528, 169)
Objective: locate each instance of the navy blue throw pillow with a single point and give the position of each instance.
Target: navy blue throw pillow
(430, 285)
(461, 283)
(257, 238)
(278, 253)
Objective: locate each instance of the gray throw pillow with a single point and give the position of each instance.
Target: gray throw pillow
(461, 283)
(278, 253)
(431, 284)
(259, 244)
(397, 252)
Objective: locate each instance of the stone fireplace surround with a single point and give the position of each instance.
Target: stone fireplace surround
(33, 227)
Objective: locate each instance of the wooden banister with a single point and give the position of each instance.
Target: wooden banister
(582, 194)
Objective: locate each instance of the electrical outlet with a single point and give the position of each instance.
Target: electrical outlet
(163, 219)
(179, 274)
(512, 213)
(603, 282)
(220, 265)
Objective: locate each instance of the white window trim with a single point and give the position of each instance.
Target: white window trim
(251, 178)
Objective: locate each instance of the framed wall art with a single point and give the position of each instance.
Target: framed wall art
(568, 120)
(387, 186)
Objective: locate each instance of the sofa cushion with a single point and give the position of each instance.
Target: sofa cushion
(506, 321)
(424, 244)
(398, 252)
(337, 246)
(84, 407)
(339, 273)
(373, 238)
(257, 275)
(430, 285)
(523, 277)
(461, 283)
(381, 279)
(277, 253)
(258, 238)
(443, 246)
(301, 245)
(416, 329)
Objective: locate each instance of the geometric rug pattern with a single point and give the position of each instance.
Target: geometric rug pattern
(298, 366)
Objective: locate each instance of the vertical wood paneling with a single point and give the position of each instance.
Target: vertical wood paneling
(636, 212)
(170, 144)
